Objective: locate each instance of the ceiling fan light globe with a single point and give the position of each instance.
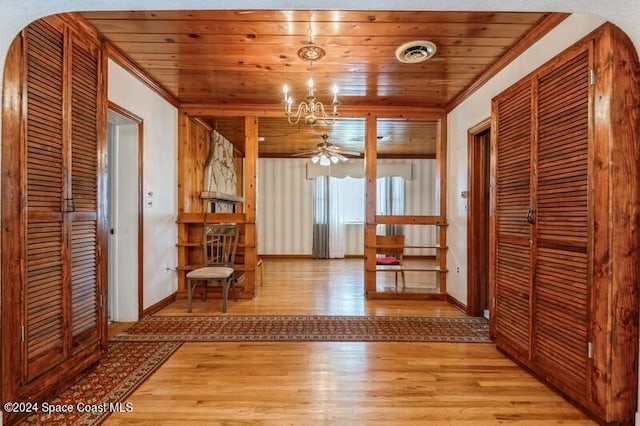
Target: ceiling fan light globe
(324, 161)
(315, 159)
(334, 160)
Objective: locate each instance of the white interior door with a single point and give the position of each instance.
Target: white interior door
(123, 198)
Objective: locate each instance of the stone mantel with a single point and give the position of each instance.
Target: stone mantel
(222, 197)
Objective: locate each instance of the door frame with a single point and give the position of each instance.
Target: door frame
(477, 207)
(139, 121)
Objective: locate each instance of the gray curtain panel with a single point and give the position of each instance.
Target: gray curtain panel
(320, 247)
(390, 201)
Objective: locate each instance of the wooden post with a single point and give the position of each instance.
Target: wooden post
(250, 166)
(441, 231)
(370, 166)
(184, 137)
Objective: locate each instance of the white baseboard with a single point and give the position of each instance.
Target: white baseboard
(637, 418)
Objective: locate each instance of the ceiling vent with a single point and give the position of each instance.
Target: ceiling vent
(415, 52)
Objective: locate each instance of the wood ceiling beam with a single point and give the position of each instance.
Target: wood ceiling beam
(275, 110)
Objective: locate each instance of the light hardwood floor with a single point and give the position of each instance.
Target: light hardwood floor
(306, 383)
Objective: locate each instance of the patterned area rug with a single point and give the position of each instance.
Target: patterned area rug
(99, 392)
(308, 328)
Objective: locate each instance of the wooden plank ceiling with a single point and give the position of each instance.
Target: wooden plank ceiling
(239, 58)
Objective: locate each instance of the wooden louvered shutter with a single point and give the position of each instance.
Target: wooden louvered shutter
(584, 241)
(44, 292)
(512, 231)
(562, 286)
(83, 219)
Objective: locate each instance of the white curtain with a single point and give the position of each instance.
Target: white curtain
(336, 221)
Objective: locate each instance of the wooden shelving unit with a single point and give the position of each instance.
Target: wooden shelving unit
(438, 266)
(194, 204)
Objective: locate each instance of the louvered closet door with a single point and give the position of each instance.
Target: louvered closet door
(562, 286)
(44, 289)
(513, 188)
(83, 220)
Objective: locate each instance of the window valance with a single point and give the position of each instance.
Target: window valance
(355, 169)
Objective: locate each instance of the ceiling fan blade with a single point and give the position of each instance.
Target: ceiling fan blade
(354, 153)
(305, 153)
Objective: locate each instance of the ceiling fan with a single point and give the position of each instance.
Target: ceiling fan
(326, 153)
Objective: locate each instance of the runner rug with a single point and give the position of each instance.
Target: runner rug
(100, 391)
(308, 328)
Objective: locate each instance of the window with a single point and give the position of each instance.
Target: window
(351, 197)
(351, 193)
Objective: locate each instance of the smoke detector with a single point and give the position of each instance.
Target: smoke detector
(414, 52)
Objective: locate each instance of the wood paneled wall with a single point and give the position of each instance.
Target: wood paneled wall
(195, 142)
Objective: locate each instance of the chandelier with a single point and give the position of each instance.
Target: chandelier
(311, 110)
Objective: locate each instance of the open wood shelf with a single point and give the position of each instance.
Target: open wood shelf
(398, 268)
(198, 244)
(202, 218)
(395, 246)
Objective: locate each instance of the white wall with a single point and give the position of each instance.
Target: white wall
(160, 154)
(285, 202)
(477, 108)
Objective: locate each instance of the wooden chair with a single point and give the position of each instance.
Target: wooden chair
(219, 244)
(389, 255)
